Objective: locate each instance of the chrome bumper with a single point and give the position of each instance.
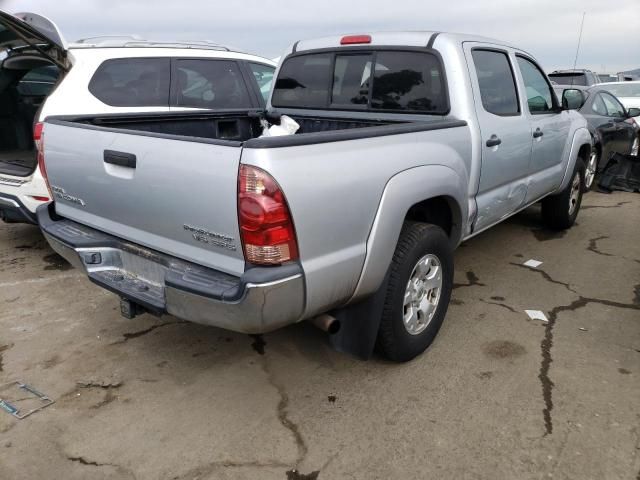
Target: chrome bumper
(263, 299)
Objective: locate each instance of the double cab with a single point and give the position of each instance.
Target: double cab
(409, 144)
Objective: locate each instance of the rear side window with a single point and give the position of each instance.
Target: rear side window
(132, 82)
(381, 81)
(210, 84)
(497, 83)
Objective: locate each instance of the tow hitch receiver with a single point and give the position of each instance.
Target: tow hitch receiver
(130, 309)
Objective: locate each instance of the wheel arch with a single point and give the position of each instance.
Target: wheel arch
(431, 194)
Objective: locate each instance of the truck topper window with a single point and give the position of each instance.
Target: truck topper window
(406, 81)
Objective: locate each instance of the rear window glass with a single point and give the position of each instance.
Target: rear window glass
(408, 81)
(569, 78)
(382, 81)
(210, 84)
(132, 82)
(304, 81)
(39, 81)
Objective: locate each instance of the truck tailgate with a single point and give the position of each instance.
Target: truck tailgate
(177, 196)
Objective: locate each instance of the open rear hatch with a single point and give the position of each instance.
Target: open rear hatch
(28, 43)
(31, 34)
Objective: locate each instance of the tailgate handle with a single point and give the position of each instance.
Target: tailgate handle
(122, 159)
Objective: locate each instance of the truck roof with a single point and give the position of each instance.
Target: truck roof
(399, 38)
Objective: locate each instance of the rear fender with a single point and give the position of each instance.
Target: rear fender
(581, 137)
(404, 190)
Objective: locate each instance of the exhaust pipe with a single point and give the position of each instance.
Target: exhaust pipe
(326, 323)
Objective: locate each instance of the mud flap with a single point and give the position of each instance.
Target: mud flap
(359, 324)
(621, 173)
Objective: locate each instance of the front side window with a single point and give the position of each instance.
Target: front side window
(614, 107)
(384, 81)
(264, 78)
(210, 84)
(539, 94)
(132, 82)
(496, 82)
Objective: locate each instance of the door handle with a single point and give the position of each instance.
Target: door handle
(494, 141)
(538, 133)
(121, 159)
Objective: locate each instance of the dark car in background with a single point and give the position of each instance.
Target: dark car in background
(580, 77)
(612, 127)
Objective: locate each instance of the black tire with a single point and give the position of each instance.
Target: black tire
(416, 240)
(556, 211)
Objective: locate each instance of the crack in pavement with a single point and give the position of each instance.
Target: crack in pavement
(619, 204)
(282, 413)
(503, 305)
(547, 343)
(546, 276)
(593, 246)
(207, 469)
(128, 336)
(472, 280)
(90, 463)
(84, 461)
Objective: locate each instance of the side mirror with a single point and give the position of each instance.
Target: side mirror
(633, 112)
(572, 99)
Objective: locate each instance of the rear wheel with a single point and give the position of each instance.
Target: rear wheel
(418, 293)
(560, 211)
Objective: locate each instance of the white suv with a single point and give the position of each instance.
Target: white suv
(41, 76)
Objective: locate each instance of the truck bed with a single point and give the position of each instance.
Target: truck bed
(224, 126)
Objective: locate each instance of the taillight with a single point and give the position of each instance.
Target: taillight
(355, 39)
(38, 140)
(266, 227)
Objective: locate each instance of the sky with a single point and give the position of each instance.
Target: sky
(548, 29)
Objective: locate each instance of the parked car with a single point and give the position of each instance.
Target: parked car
(574, 77)
(627, 92)
(409, 143)
(101, 76)
(611, 126)
(607, 77)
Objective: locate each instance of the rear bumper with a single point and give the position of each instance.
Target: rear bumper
(261, 300)
(12, 210)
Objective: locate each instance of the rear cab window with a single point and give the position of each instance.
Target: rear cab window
(363, 79)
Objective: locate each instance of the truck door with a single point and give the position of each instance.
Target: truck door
(550, 130)
(505, 132)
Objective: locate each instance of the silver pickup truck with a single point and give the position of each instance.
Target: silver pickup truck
(409, 143)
